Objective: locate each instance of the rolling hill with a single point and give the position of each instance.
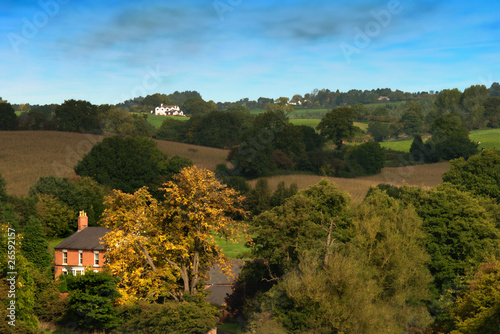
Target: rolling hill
(25, 156)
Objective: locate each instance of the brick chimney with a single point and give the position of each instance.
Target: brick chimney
(83, 220)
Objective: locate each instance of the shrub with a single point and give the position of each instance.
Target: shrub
(196, 317)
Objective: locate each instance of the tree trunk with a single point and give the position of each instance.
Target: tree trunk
(195, 278)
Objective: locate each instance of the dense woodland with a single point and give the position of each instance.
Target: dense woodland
(404, 260)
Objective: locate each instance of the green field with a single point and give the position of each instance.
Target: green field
(233, 250)
(374, 105)
(298, 113)
(309, 122)
(401, 145)
(157, 120)
(488, 138)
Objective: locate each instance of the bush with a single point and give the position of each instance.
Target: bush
(196, 317)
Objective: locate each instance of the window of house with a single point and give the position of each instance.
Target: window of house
(77, 271)
(80, 258)
(96, 258)
(64, 271)
(65, 257)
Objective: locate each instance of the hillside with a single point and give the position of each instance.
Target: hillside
(428, 175)
(25, 156)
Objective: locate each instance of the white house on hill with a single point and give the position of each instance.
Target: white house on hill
(168, 111)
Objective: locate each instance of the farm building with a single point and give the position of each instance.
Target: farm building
(168, 111)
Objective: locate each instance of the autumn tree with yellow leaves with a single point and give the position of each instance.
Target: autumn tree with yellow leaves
(164, 248)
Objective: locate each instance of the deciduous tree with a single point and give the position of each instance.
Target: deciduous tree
(77, 116)
(480, 174)
(126, 164)
(337, 125)
(165, 248)
(8, 118)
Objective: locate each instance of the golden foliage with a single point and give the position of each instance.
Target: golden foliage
(164, 248)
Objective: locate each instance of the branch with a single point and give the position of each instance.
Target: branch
(148, 258)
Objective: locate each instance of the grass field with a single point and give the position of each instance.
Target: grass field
(25, 156)
(489, 139)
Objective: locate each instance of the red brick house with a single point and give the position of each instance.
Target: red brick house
(82, 249)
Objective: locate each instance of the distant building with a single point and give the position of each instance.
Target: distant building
(168, 111)
(82, 249)
(382, 98)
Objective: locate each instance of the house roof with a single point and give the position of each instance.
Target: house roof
(219, 278)
(87, 239)
(219, 294)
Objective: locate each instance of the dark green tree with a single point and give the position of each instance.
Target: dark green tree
(471, 102)
(337, 125)
(494, 89)
(312, 140)
(379, 130)
(155, 100)
(448, 101)
(173, 130)
(255, 155)
(219, 129)
(365, 159)
(35, 247)
(418, 151)
(78, 194)
(91, 298)
(412, 119)
(480, 174)
(8, 118)
(77, 116)
(492, 111)
(460, 232)
(258, 199)
(196, 105)
(282, 193)
(126, 163)
(450, 138)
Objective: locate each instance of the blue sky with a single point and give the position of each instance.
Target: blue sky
(111, 51)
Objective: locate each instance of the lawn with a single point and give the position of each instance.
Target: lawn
(53, 243)
(401, 145)
(488, 138)
(157, 120)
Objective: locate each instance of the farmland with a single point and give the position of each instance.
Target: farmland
(25, 156)
(55, 153)
(428, 175)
